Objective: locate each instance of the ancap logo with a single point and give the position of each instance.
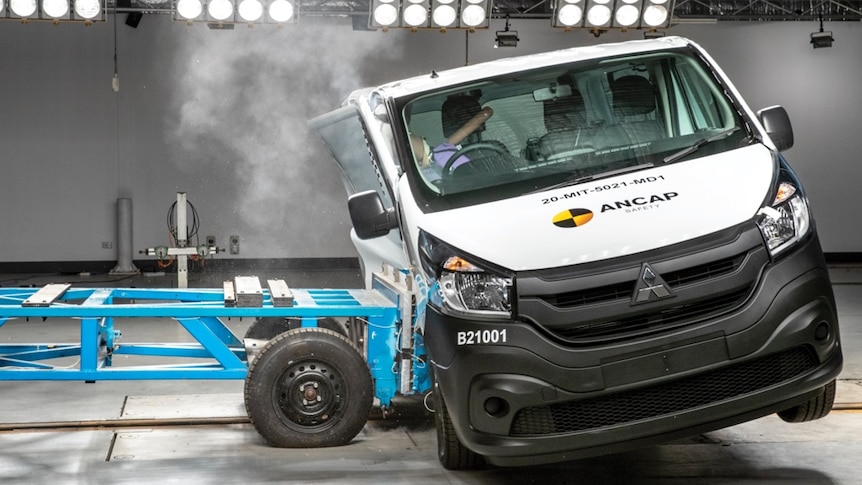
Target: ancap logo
(573, 217)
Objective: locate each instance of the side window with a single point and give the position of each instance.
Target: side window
(344, 135)
(698, 106)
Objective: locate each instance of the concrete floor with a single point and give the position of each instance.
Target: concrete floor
(228, 450)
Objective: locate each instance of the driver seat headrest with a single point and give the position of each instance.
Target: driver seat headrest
(456, 111)
(633, 95)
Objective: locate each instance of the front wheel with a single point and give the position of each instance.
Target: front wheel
(453, 455)
(810, 410)
(308, 388)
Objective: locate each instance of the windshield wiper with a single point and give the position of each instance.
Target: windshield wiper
(698, 145)
(586, 178)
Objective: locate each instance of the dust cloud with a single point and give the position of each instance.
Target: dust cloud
(238, 124)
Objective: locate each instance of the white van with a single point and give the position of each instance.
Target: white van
(610, 249)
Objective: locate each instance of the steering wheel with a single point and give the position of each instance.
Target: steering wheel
(482, 145)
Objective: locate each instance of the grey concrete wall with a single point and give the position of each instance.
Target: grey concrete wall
(221, 115)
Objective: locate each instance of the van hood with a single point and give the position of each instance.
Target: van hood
(612, 217)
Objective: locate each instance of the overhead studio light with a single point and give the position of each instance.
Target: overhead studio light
(506, 37)
(189, 10)
(599, 13)
(55, 9)
(421, 14)
(444, 14)
(569, 13)
(250, 11)
(384, 13)
(281, 12)
(223, 14)
(821, 39)
(606, 14)
(22, 9)
(88, 10)
(474, 14)
(415, 14)
(220, 10)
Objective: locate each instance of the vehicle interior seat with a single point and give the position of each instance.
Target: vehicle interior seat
(567, 128)
(493, 155)
(634, 104)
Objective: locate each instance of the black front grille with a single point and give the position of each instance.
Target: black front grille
(660, 320)
(673, 397)
(623, 291)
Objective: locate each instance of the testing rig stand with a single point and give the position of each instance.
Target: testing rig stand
(183, 250)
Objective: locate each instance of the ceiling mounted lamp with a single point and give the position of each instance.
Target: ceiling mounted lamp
(474, 14)
(88, 10)
(506, 37)
(415, 14)
(384, 14)
(220, 11)
(56, 10)
(250, 11)
(601, 15)
(281, 12)
(569, 13)
(657, 13)
(821, 39)
(22, 9)
(444, 14)
(188, 10)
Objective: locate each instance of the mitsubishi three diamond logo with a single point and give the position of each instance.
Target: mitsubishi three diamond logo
(650, 287)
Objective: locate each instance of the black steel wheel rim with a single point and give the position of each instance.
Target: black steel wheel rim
(309, 396)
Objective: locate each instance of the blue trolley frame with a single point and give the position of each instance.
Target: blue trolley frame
(199, 312)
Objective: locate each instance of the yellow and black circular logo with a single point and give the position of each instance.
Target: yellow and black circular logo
(573, 217)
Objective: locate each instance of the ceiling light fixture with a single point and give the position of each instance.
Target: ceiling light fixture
(821, 39)
(506, 37)
(601, 15)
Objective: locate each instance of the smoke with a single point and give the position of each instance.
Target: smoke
(239, 117)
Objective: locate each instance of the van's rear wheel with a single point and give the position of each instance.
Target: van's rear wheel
(810, 410)
(308, 388)
(452, 453)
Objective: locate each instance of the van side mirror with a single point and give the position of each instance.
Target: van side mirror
(777, 124)
(370, 219)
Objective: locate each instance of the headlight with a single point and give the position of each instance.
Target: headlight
(461, 286)
(786, 221)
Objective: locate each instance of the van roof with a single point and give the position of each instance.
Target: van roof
(466, 74)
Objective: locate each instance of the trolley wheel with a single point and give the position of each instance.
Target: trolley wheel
(308, 388)
(453, 455)
(815, 408)
(266, 328)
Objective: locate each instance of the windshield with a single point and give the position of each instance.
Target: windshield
(561, 125)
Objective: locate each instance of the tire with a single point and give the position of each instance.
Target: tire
(266, 328)
(453, 455)
(815, 408)
(308, 388)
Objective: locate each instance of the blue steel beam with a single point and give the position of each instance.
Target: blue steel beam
(199, 312)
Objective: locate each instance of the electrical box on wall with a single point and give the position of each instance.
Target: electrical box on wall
(234, 244)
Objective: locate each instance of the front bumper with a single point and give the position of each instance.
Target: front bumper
(532, 397)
